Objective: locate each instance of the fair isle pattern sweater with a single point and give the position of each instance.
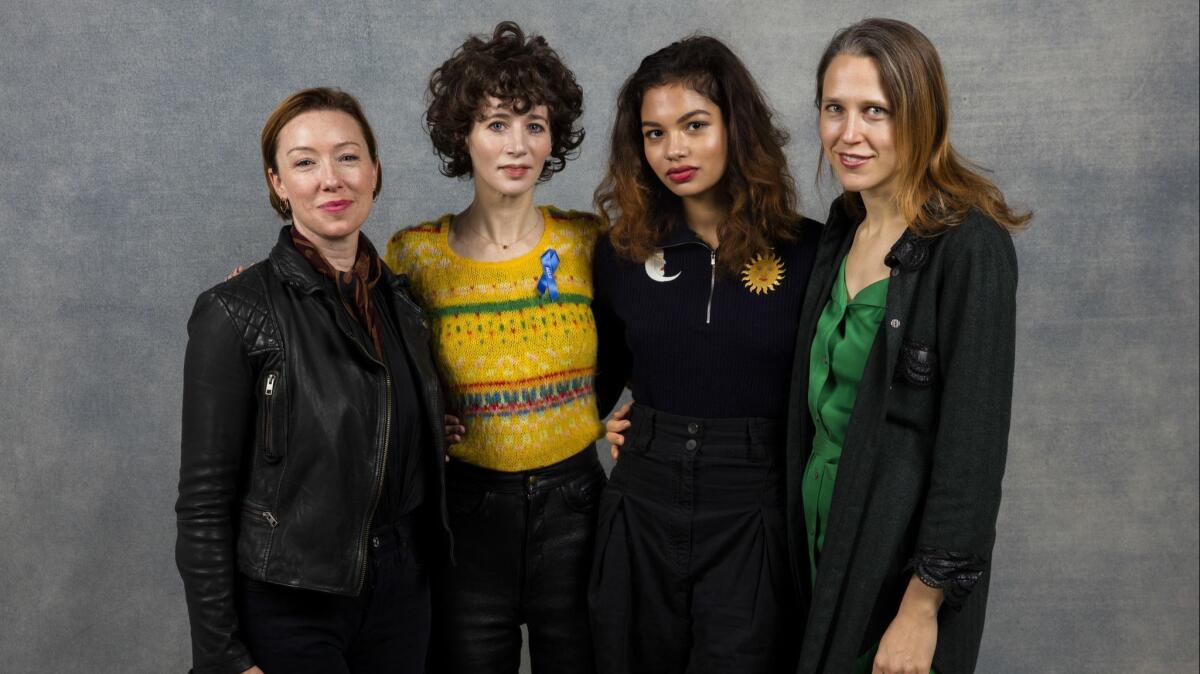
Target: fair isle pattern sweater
(519, 369)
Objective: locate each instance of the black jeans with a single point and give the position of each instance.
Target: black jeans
(691, 570)
(384, 629)
(523, 547)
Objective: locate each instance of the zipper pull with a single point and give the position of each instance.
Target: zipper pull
(269, 517)
(712, 258)
(270, 389)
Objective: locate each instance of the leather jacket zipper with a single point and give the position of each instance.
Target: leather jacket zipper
(266, 515)
(268, 404)
(712, 284)
(387, 433)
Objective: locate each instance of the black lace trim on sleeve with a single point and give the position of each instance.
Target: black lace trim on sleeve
(952, 572)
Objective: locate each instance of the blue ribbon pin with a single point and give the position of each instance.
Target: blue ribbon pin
(546, 284)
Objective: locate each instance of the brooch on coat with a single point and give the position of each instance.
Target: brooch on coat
(763, 274)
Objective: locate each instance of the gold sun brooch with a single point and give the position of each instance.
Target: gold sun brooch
(763, 274)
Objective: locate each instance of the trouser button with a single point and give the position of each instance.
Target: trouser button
(691, 445)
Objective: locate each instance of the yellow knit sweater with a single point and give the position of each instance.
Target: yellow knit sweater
(519, 368)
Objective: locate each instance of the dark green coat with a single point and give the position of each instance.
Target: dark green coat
(918, 485)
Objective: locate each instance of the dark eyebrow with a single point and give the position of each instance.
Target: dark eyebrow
(685, 117)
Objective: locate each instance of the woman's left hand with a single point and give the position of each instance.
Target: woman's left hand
(908, 644)
(455, 430)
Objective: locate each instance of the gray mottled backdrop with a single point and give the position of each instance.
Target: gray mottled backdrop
(129, 182)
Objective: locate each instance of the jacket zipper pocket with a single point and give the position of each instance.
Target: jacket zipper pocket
(267, 426)
(265, 515)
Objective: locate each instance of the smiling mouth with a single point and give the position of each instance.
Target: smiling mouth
(335, 206)
(852, 160)
(682, 174)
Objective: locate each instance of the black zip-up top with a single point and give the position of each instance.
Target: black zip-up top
(690, 339)
(287, 426)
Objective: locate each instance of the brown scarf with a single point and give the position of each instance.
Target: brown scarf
(353, 286)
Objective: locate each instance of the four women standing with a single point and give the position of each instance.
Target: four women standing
(737, 519)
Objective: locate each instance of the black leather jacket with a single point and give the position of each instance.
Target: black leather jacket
(286, 415)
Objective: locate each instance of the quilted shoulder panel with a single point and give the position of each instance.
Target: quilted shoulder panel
(245, 300)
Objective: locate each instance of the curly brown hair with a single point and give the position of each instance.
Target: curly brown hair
(761, 193)
(521, 73)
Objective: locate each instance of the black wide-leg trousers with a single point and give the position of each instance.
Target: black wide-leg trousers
(691, 570)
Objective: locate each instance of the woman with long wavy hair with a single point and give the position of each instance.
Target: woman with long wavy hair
(698, 289)
(898, 424)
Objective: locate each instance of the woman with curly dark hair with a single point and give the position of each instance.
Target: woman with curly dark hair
(698, 292)
(507, 286)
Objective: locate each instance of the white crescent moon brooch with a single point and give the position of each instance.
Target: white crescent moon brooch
(762, 274)
(656, 267)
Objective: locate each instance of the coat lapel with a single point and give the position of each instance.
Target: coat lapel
(836, 238)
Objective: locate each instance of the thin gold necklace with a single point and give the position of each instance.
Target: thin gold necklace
(503, 246)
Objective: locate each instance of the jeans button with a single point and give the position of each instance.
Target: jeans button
(693, 428)
(691, 444)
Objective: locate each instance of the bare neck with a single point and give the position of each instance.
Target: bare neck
(500, 217)
(884, 221)
(704, 214)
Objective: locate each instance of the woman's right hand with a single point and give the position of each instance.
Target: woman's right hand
(615, 427)
(237, 270)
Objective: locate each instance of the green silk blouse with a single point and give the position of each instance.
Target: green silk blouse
(843, 339)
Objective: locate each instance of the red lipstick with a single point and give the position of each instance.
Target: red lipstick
(682, 174)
